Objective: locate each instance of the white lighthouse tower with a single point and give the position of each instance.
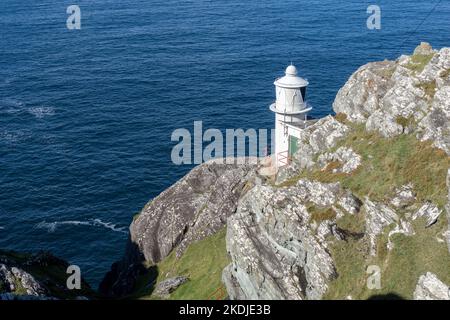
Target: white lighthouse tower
(290, 115)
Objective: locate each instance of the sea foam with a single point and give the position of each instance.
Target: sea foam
(41, 112)
(52, 226)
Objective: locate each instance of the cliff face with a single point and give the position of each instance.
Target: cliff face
(194, 208)
(368, 191)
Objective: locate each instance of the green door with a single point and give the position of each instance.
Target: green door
(293, 145)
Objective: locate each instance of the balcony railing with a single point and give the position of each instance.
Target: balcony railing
(283, 158)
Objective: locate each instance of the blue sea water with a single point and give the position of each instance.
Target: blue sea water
(86, 115)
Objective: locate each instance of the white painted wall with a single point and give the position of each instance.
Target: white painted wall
(289, 99)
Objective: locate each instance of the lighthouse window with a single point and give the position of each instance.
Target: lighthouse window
(303, 91)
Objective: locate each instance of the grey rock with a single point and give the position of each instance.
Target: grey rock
(349, 159)
(38, 276)
(26, 297)
(435, 126)
(276, 252)
(405, 98)
(28, 282)
(362, 93)
(7, 278)
(424, 49)
(12, 276)
(166, 287)
(324, 134)
(438, 65)
(404, 196)
(378, 216)
(430, 211)
(429, 287)
(379, 119)
(349, 203)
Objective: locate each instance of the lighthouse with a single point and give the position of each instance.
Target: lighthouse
(290, 110)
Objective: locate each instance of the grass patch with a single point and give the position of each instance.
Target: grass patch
(419, 61)
(341, 117)
(387, 73)
(202, 262)
(404, 122)
(354, 223)
(411, 257)
(349, 258)
(429, 88)
(321, 214)
(445, 74)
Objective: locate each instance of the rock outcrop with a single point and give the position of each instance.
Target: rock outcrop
(378, 216)
(36, 277)
(276, 252)
(411, 94)
(15, 280)
(166, 287)
(429, 287)
(193, 208)
(348, 159)
(404, 196)
(430, 211)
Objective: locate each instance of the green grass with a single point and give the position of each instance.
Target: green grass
(429, 88)
(419, 61)
(349, 258)
(411, 257)
(202, 262)
(341, 117)
(321, 214)
(354, 223)
(404, 122)
(445, 74)
(387, 73)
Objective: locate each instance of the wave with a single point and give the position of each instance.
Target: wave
(41, 112)
(52, 226)
(14, 136)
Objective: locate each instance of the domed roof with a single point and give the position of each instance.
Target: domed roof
(291, 70)
(291, 79)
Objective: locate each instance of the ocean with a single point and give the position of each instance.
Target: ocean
(86, 115)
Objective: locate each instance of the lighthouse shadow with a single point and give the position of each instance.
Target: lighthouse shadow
(388, 296)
